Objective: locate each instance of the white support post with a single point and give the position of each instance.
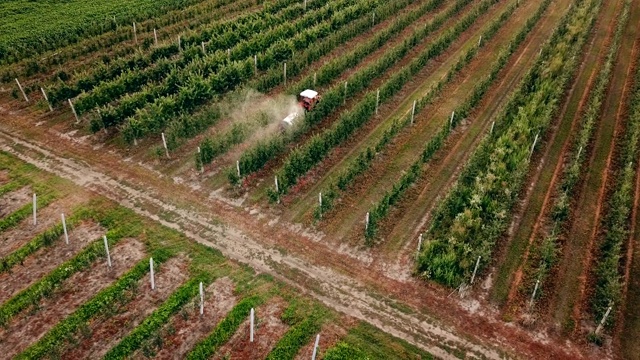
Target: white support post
(179, 43)
(419, 245)
(201, 299)
(579, 152)
(373, 19)
(315, 77)
(377, 100)
(155, 37)
(229, 53)
(453, 114)
(493, 124)
(201, 161)
(22, 90)
(46, 98)
(413, 112)
(252, 321)
(204, 52)
(277, 187)
(533, 295)
(315, 347)
(604, 319)
(285, 74)
(345, 93)
(475, 270)
(35, 209)
(305, 5)
(238, 167)
(533, 146)
(480, 41)
(135, 141)
(152, 277)
(73, 109)
(106, 248)
(164, 143)
(255, 64)
(135, 33)
(320, 202)
(64, 227)
(366, 222)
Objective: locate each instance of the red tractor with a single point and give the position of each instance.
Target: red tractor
(307, 100)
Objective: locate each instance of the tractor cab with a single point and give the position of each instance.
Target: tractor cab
(308, 99)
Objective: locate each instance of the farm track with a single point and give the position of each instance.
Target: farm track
(259, 191)
(403, 151)
(126, 48)
(544, 177)
(341, 281)
(225, 125)
(46, 259)
(29, 326)
(570, 295)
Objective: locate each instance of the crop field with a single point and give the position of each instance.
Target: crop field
(466, 186)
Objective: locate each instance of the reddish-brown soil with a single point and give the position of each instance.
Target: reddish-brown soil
(12, 239)
(103, 334)
(330, 334)
(267, 331)
(15, 200)
(46, 259)
(4, 177)
(29, 326)
(187, 327)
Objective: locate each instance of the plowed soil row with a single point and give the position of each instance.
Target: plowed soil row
(102, 334)
(226, 124)
(268, 329)
(28, 327)
(570, 293)
(14, 200)
(544, 178)
(46, 259)
(14, 238)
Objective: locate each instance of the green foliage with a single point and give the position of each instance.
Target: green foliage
(103, 303)
(344, 351)
(477, 210)
(225, 329)
(296, 337)
(157, 319)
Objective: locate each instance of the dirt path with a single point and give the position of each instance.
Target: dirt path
(572, 276)
(28, 327)
(186, 328)
(11, 240)
(46, 259)
(103, 334)
(533, 210)
(15, 200)
(267, 331)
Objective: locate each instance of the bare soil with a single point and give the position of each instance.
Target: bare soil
(46, 259)
(17, 236)
(186, 328)
(29, 326)
(103, 334)
(14, 200)
(330, 335)
(267, 331)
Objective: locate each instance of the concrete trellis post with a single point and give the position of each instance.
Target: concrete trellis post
(305, 5)
(135, 33)
(315, 77)
(251, 321)
(64, 227)
(475, 270)
(493, 124)
(373, 19)
(480, 41)
(285, 74)
(453, 115)
(413, 112)
(229, 53)
(345, 92)
(204, 52)
(179, 43)
(255, 63)
(73, 109)
(533, 295)
(602, 322)
(201, 299)
(366, 222)
(35, 209)
(315, 347)
(238, 167)
(419, 245)
(377, 100)
(579, 152)
(155, 37)
(46, 98)
(22, 90)
(152, 277)
(277, 188)
(201, 161)
(533, 146)
(106, 248)
(164, 143)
